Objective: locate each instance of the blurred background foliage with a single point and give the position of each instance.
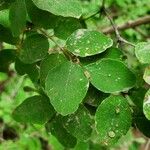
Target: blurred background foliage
(14, 88)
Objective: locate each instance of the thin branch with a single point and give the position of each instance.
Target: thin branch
(51, 38)
(147, 146)
(68, 54)
(96, 13)
(103, 4)
(129, 24)
(115, 28)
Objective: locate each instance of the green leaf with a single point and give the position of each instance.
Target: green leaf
(30, 69)
(4, 18)
(36, 109)
(55, 143)
(35, 48)
(85, 42)
(17, 16)
(82, 146)
(111, 76)
(65, 8)
(142, 52)
(4, 4)
(3, 77)
(66, 86)
(71, 24)
(47, 20)
(79, 124)
(113, 53)
(6, 36)
(137, 96)
(113, 119)
(57, 129)
(7, 56)
(94, 97)
(146, 75)
(49, 63)
(142, 123)
(146, 105)
(96, 146)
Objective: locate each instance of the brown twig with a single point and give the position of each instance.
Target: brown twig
(141, 33)
(68, 54)
(147, 146)
(129, 24)
(115, 28)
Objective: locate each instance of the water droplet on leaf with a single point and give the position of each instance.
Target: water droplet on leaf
(109, 75)
(117, 125)
(117, 110)
(118, 78)
(111, 134)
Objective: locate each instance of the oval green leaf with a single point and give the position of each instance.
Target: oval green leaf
(66, 8)
(63, 136)
(71, 24)
(46, 18)
(85, 42)
(35, 48)
(79, 124)
(30, 69)
(113, 53)
(113, 119)
(49, 63)
(66, 86)
(142, 52)
(36, 109)
(142, 123)
(111, 76)
(4, 18)
(146, 75)
(17, 17)
(94, 97)
(146, 105)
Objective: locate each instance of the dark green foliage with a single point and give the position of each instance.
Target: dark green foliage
(112, 72)
(113, 119)
(66, 85)
(30, 69)
(49, 63)
(90, 87)
(81, 121)
(47, 20)
(36, 109)
(57, 129)
(87, 43)
(34, 48)
(5, 4)
(17, 16)
(6, 36)
(7, 56)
